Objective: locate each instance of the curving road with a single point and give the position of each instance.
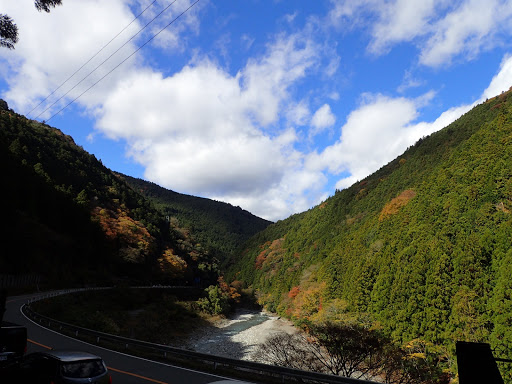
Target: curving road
(123, 368)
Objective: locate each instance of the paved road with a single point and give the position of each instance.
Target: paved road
(124, 368)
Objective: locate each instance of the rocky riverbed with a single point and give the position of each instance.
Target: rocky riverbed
(239, 336)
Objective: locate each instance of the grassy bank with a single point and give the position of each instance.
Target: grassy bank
(155, 315)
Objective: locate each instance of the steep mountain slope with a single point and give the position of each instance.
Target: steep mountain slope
(220, 227)
(424, 245)
(69, 219)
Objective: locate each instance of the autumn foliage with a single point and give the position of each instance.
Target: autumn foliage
(229, 290)
(133, 237)
(395, 204)
(172, 265)
(271, 254)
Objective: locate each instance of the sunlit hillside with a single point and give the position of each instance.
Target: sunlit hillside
(423, 245)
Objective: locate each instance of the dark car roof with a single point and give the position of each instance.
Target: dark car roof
(69, 356)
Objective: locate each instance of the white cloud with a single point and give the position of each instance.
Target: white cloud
(472, 27)
(173, 38)
(401, 20)
(502, 81)
(265, 81)
(42, 61)
(322, 119)
(372, 135)
(73, 33)
(347, 13)
(205, 132)
(409, 82)
(442, 30)
(298, 114)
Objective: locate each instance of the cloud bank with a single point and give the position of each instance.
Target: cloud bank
(248, 136)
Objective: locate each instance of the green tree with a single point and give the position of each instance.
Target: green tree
(501, 308)
(216, 302)
(82, 198)
(9, 30)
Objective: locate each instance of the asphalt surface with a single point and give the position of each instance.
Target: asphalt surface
(123, 368)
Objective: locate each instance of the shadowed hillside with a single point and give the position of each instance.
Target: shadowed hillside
(70, 220)
(220, 227)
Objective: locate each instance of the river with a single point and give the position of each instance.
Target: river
(239, 336)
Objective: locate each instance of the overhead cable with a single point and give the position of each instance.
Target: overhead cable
(107, 59)
(122, 62)
(88, 61)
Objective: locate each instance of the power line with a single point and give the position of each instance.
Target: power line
(107, 59)
(122, 62)
(88, 61)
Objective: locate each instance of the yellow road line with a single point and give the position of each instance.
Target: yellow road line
(41, 345)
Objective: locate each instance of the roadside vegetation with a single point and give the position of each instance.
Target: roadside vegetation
(154, 315)
(158, 315)
(356, 350)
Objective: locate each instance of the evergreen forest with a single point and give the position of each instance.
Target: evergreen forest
(421, 249)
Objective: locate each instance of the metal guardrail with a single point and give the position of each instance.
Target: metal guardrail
(47, 295)
(167, 351)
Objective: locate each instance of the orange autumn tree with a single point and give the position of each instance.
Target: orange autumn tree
(134, 239)
(172, 265)
(395, 204)
(308, 301)
(270, 256)
(230, 291)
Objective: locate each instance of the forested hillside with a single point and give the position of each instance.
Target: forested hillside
(220, 227)
(71, 220)
(422, 247)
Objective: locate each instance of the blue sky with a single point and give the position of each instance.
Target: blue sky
(266, 104)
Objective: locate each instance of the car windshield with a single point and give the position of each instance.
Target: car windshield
(83, 369)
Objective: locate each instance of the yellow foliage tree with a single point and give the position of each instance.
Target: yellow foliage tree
(172, 265)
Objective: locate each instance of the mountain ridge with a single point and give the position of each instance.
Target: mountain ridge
(421, 246)
(74, 221)
(221, 226)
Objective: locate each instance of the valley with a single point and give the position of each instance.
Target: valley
(167, 316)
(418, 253)
(240, 335)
